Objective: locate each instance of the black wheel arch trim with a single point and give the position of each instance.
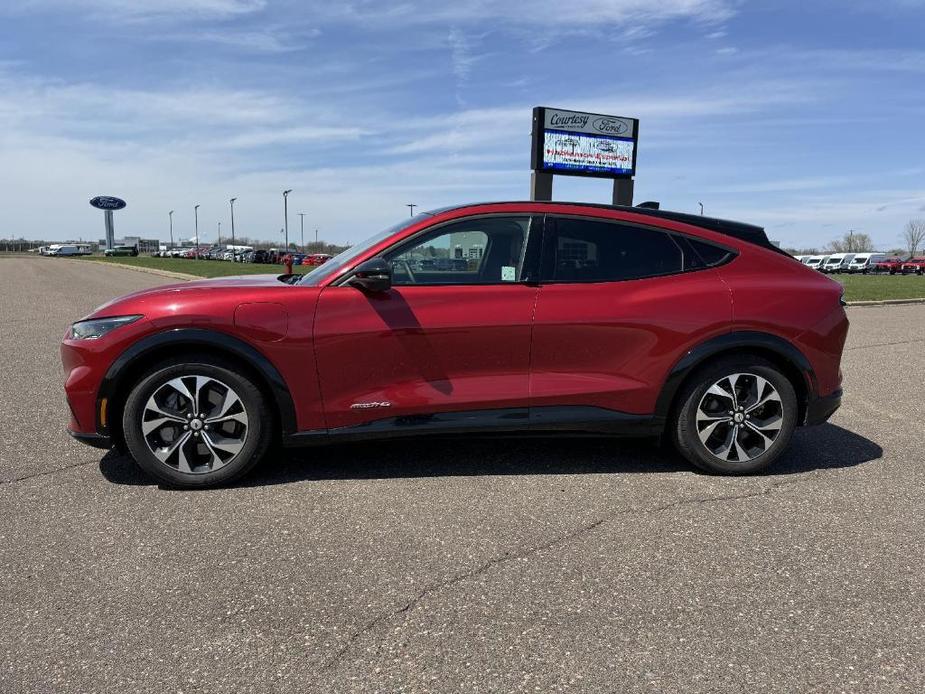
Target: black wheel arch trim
(726, 343)
(198, 337)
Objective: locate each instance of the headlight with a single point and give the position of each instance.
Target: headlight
(97, 327)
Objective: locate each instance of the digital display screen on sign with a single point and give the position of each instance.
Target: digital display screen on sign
(584, 144)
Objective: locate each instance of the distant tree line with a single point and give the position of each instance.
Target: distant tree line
(913, 238)
(21, 245)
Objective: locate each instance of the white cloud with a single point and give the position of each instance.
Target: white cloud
(277, 136)
(592, 13)
(528, 12)
(461, 54)
(263, 41)
(145, 9)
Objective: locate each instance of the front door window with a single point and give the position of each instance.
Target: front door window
(485, 250)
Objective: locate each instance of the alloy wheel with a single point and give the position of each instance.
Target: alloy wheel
(739, 417)
(194, 424)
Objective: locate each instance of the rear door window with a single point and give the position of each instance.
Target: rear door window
(584, 250)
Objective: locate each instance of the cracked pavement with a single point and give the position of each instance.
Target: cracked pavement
(440, 566)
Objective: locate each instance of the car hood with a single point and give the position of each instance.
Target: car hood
(137, 301)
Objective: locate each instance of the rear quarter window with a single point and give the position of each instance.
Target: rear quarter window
(710, 255)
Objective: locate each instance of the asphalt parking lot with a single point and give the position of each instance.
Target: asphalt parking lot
(476, 565)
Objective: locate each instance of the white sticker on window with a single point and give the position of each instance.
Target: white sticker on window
(508, 273)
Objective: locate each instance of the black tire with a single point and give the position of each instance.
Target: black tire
(684, 428)
(257, 433)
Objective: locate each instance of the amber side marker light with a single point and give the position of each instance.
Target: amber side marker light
(103, 404)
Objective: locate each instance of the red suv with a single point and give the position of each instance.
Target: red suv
(891, 265)
(913, 265)
(498, 317)
(316, 259)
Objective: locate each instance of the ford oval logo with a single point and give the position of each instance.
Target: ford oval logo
(107, 202)
(611, 126)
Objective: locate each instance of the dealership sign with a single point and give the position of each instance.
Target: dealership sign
(107, 202)
(583, 144)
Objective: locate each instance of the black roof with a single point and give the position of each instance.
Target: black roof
(740, 230)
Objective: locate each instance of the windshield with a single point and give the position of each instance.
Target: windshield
(335, 264)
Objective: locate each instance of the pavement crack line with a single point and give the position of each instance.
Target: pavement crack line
(561, 540)
(884, 344)
(49, 472)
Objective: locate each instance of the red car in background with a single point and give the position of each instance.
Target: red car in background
(197, 252)
(890, 265)
(316, 259)
(913, 265)
(506, 318)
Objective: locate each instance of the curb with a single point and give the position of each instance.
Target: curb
(886, 302)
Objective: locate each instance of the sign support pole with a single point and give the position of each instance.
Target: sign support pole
(110, 229)
(623, 191)
(541, 186)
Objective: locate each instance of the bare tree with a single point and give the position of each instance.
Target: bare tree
(852, 242)
(914, 234)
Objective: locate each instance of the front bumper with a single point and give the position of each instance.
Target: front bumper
(819, 410)
(95, 440)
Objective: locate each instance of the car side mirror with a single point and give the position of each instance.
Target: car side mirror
(375, 275)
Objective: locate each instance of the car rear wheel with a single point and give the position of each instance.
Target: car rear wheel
(736, 416)
(196, 423)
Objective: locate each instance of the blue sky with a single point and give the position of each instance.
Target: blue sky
(803, 117)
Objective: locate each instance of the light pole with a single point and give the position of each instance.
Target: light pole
(170, 214)
(196, 223)
(302, 229)
(701, 208)
(219, 242)
(316, 237)
(412, 206)
(233, 256)
(286, 216)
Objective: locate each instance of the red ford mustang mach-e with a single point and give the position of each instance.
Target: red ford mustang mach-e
(499, 317)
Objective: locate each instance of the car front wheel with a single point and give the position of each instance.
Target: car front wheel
(735, 416)
(196, 423)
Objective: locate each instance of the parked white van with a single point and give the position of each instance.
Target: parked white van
(863, 262)
(816, 261)
(62, 249)
(837, 262)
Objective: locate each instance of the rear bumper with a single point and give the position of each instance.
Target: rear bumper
(819, 410)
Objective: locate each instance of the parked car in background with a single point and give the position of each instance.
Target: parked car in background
(864, 262)
(837, 262)
(816, 261)
(803, 258)
(316, 259)
(889, 265)
(913, 266)
(197, 252)
(121, 251)
(669, 323)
